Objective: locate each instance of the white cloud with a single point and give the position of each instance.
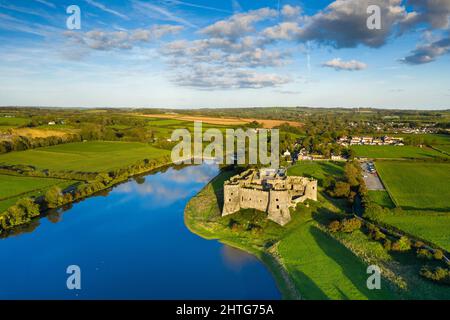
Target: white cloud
(107, 40)
(291, 12)
(239, 24)
(338, 64)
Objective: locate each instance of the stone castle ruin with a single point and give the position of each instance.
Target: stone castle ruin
(267, 190)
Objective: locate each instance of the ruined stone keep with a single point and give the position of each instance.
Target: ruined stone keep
(267, 190)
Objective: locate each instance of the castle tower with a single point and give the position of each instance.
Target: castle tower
(231, 195)
(278, 210)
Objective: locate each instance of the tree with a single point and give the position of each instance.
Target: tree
(402, 244)
(334, 226)
(352, 173)
(341, 189)
(350, 225)
(53, 197)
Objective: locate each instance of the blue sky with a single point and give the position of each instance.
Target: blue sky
(229, 53)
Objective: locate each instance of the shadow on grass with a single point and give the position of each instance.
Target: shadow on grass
(353, 268)
(308, 289)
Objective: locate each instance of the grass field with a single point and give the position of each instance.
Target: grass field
(431, 226)
(12, 122)
(417, 185)
(395, 152)
(321, 267)
(317, 169)
(14, 187)
(87, 156)
(381, 198)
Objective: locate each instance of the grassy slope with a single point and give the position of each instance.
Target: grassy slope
(88, 156)
(417, 185)
(396, 152)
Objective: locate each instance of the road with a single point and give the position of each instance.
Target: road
(372, 180)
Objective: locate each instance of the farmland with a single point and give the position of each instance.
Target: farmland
(7, 123)
(396, 152)
(88, 156)
(417, 185)
(431, 226)
(266, 123)
(14, 187)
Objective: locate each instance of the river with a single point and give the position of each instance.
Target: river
(131, 243)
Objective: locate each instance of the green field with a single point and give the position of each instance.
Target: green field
(317, 169)
(14, 187)
(381, 198)
(417, 185)
(321, 267)
(395, 152)
(85, 156)
(431, 226)
(8, 123)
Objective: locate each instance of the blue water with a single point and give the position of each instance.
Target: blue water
(131, 244)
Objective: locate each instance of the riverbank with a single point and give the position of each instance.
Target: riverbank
(305, 261)
(18, 215)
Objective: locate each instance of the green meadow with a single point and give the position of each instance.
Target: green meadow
(85, 156)
(317, 169)
(431, 226)
(14, 187)
(381, 198)
(7, 123)
(396, 152)
(417, 185)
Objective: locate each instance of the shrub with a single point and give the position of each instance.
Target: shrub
(402, 244)
(373, 211)
(418, 244)
(438, 254)
(334, 226)
(424, 254)
(350, 225)
(387, 244)
(438, 274)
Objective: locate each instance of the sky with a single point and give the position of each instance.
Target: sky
(227, 53)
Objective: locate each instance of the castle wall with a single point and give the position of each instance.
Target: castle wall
(254, 199)
(230, 199)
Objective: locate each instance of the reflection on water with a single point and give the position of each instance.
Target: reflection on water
(236, 259)
(130, 243)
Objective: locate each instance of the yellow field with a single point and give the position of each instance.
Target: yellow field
(224, 121)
